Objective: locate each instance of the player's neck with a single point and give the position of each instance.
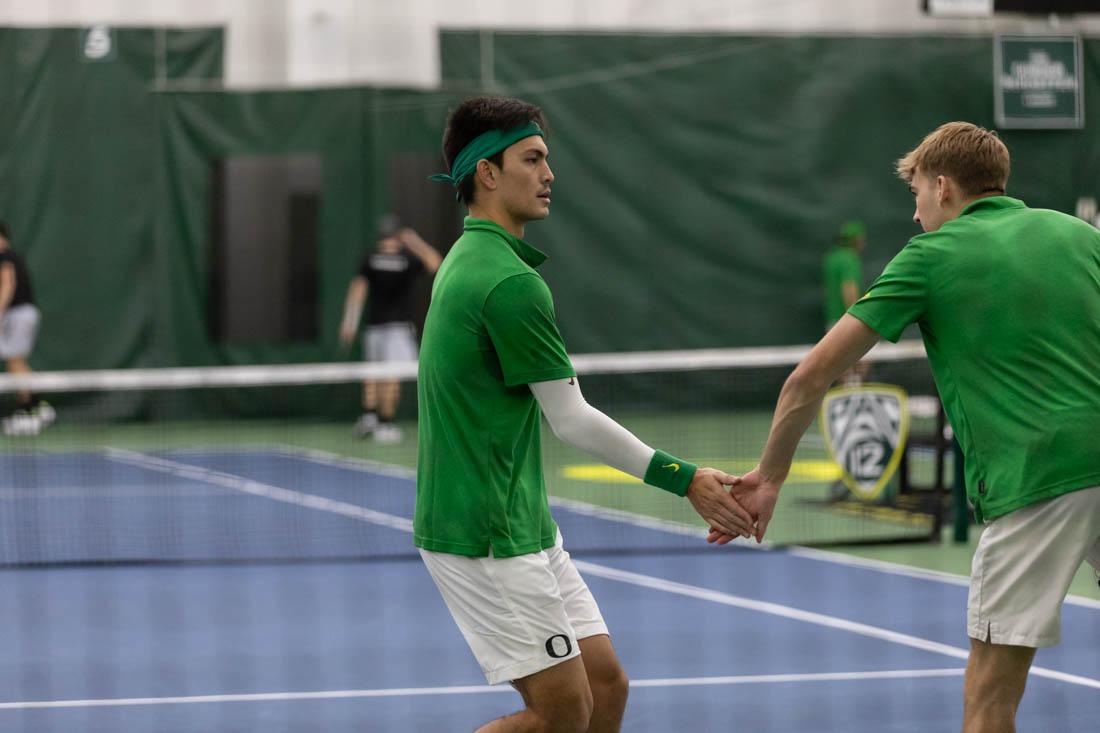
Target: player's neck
(498, 215)
(984, 195)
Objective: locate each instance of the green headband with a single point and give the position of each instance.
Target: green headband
(484, 146)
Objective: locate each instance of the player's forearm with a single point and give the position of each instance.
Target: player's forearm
(801, 397)
(350, 321)
(798, 405)
(353, 305)
(426, 253)
(430, 258)
(576, 422)
(7, 286)
(6, 294)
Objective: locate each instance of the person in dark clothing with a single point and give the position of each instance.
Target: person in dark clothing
(19, 319)
(385, 283)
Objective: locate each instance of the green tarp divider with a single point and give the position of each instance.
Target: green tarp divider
(701, 178)
(78, 172)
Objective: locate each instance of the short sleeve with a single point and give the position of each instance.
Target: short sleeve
(898, 297)
(519, 316)
(365, 270)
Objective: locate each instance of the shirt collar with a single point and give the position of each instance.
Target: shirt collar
(532, 256)
(993, 203)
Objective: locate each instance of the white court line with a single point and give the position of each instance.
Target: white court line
(748, 679)
(631, 518)
(325, 458)
(680, 528)
(893, 568)
(646, 581)
(478, 689)
(256, 488)
(839, 558)
(818, 619)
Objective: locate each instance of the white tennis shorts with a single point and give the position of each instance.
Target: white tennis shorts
(519, 615)
(390, 342)
(18, 331)
(1024, 565)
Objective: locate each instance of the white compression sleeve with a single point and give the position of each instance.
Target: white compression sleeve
(581, 425)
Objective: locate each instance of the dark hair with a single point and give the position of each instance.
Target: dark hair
(5, 230)
(388, 226)
(477, 116)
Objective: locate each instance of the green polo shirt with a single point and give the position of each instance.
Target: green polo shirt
(841, 265)
(1008, 301)
(490, 332)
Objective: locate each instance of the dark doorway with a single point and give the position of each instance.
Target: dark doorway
(263, 249)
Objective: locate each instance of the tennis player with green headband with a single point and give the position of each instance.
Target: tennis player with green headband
(492, 362)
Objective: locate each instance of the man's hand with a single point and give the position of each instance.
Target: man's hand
(757, 495)
(708, 494)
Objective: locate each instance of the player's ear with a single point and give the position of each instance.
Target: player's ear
(943, 189)
(486, 175)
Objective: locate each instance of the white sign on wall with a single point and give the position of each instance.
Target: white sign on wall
(97, 43)
(1038, 82)
(961, 8)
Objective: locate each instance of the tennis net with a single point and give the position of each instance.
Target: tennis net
(261, 463)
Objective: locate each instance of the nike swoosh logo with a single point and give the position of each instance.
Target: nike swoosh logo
(674, 466)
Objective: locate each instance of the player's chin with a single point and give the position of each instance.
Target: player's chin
(541, 211)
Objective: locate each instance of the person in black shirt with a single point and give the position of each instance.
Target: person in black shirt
(387, 275)
(19, 318)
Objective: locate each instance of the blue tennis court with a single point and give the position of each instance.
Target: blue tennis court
(293, 635)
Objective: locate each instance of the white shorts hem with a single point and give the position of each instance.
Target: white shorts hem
(595, 628)
(526, 668)
(985, 631)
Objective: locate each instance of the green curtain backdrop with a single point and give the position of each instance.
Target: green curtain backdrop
(354, 131)
(198, 129)
(78, 166)
(700, 178)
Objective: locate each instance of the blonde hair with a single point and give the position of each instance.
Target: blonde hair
(974, 157)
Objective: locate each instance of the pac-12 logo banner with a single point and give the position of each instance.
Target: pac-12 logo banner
(865, 428)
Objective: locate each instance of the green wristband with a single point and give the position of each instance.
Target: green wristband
(669, 473)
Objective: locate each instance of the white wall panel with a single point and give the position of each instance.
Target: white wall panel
(256, 52)
(310, 42)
